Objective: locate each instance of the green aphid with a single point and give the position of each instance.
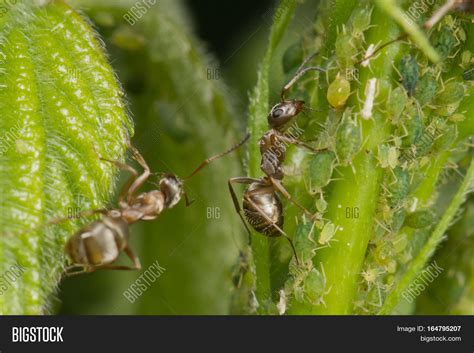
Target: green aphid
(398, 187)
(447, 137)
(468, 74)
(348, 139)
(414, 127)
(409, 70)
(420, 219)
(384, 253)
(360, 21)
(398, 218)
(346, 51)
(293, 57)
(426, 90)
(315, 287)
(400, 242)
(303, 241)
(453, 92)
(444, 41)
(396, 104)
(338, 91)
(320, 170)
(387, 156)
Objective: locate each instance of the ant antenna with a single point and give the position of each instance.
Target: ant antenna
(217, 156)
(300, 72)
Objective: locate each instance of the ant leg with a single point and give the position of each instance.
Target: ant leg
(134, 258)
(264, 215)
(293, 141)
(297, 76)
(88, 213)
(240, 180)
(130, 180)
(83, 269)
(278, 185)
(128, 251)
(143, 177)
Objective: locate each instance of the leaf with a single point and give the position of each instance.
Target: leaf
(59, 100)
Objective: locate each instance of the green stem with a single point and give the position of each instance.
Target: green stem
(344, 258)
(428, 249)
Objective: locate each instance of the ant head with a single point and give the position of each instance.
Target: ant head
(284, 112)
(172, 187)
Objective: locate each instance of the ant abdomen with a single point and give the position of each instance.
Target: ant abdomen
(258, 200)
(99, 243)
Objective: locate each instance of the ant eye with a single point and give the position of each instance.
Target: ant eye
(277, 113)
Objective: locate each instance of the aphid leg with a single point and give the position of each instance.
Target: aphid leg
(240, 180)
(263, 214)
(279, 186)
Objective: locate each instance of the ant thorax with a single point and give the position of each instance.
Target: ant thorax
(146, 206)
(273, 154)
(172, 188)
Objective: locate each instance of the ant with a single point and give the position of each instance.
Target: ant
(262, 207)
(98, 245)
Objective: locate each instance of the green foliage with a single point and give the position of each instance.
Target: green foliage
(60, 101)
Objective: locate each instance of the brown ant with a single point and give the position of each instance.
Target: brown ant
(262, 206)
(98, 245)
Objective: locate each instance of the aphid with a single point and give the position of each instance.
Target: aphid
(262, 207)
(450, 97)
(396, 104)
(420, 219)
(345, 50)
(305, 244)
(414, 127)
(409, 71)
(360, 21)
(327, 233)
(398, 189)
(348, 139)
(447, 137)
(314, 287)
(453, 92)
(426, 89)
(98, 245)
(388, 156)
(444, 41)
(339, 91)
(398, 217)
(320, 170)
